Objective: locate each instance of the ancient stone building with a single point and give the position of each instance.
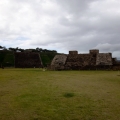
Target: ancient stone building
(27, 60)
(104, 59)
(91, 61)
(58, 62)
(116, 64)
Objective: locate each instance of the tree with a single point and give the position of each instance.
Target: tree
(1, 47)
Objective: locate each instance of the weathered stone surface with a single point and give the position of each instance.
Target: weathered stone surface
(79, 61)
(94, 51)
(73, 52)
(116, 64)
(58, 62)
(104, 59)
(27, 60)
(93, 60)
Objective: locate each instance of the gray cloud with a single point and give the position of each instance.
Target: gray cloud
(61, 24)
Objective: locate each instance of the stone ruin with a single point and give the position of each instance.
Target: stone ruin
(116, 64)
(104, 59)
(27, 60)
(91, 61)
(58, 62)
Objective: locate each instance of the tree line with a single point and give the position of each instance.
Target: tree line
(17, 49)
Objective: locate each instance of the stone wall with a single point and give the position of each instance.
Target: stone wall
(73, 52)
(104, 59)
(58, 62)
(94, 51)
(80, 61)
(116, 64)
(91, 61)
(27, 60)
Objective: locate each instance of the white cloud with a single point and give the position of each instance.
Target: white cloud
(108, 47)
(62, 25)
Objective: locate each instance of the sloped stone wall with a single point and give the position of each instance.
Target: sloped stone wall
(72, 62)
(104, 59)
(58, 62)
(80, 61)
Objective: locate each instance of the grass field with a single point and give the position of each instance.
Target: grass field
(33, 94)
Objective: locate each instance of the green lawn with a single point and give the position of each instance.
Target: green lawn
(33, 94)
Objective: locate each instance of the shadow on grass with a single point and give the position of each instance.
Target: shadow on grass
(68, 95)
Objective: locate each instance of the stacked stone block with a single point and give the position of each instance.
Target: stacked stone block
(58, 62)
(104, 59)
(27, 60)
(91, 61)
(80, 61)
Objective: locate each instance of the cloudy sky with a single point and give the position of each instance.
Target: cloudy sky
(61, 25)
